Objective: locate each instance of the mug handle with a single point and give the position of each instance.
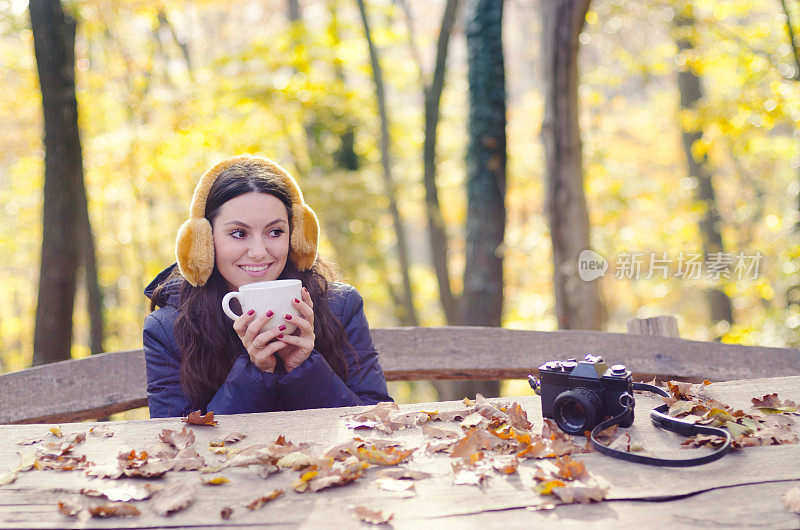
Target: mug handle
(226, 304)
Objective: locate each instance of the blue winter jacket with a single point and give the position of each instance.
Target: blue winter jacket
(313, 384)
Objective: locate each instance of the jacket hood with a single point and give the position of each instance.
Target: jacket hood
(173, 289)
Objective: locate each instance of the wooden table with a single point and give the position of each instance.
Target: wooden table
(743, 489)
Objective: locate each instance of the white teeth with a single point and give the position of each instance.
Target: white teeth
(254, 269)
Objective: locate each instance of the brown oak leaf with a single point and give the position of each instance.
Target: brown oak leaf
(372, 516)
(195, 418)
(257, 503)
(438, 432)
(580, 493)
(177, 440)
(770, 403)
(173, 498)
(518, 417)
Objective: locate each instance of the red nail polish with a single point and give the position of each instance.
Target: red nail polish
(269, 313)
(251, 312)
(282, 328)
(280, 336)
(288, 317)
(296, 301)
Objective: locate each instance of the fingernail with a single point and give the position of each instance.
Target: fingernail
(296, 301)
(269, 313)
(288, 317)
(304, 289)
(280, 336)
(251, 312)
(282, 328)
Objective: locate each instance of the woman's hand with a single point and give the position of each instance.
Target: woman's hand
(258, 346)
(298, 346)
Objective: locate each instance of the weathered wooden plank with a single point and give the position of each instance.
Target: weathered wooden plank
(105, 383)
(473, 352)
(437, 501)
(74, 390)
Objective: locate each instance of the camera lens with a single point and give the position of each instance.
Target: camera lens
(575, 411)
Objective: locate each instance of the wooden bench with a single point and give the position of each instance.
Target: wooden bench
(113, 382)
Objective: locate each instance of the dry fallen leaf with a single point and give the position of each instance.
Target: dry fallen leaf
(30, 441)
(76, 438)
(226, 512)
(56, 430)
(115, 509)
(474, 441)
(195, 418)
(437, 432)
(216, 481)
(389, 456)
(177, 440)
(506, 464)
(232, 438)
(50, 449)
(139, 464)
(372, 516)
(470, 475)
(377, 417)
(101, 432)
(62, 463)
(264, 499)
(770, 403)
(296, 460)
(518, 417)
(444, 445)
(473, 420)
(8, 478)
(83, 510)
(405, 420)
(791, 499)
(452, 415)
(363, 424)
(71, 508)
(580, 493)
(105, 471)
(173, 498)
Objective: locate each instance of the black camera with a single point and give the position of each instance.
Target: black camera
(579, 395)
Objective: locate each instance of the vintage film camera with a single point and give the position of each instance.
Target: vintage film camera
(579, 395)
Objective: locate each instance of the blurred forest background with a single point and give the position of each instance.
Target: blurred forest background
(688, 143)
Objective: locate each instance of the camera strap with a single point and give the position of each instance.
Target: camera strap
(661, 419)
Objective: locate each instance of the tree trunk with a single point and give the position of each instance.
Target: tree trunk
(345, 156)
(54, 47)
(436, 227)
(578, 304)
(410, 317)
(94, 295)
(481, 303)
(482, 299)
(691, 93)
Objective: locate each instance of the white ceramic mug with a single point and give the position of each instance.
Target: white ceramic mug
(275, 295)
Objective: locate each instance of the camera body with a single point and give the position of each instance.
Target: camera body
(579, 395)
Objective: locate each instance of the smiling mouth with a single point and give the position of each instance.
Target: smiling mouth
(255, 268)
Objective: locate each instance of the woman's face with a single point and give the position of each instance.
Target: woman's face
(251, 239)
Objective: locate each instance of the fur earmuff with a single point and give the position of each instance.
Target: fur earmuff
(194, 246)
(194, 249)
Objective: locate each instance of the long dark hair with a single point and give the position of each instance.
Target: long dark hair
(208, 344)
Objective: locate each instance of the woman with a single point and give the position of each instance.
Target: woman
(249, 223)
